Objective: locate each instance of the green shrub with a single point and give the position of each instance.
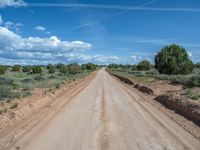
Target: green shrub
(7, 93)
(90, 66)
(26, 68)
(27, 80)
(196, 71)
(57, 85)
(192, 95)
(51, 70)
(36, 69)
(74, 68)
(144, 65)
(27, 87)
(5, 81)
(173, 59)
(49, 66)
(2, 69)
(152, 71)
(64, 69)
(186, 80)
(39, 78)
(52, 77)
(14, 105)
(59, 66)
(16, 68)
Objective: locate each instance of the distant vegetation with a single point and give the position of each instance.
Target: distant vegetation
(171, 63)
(18, 81)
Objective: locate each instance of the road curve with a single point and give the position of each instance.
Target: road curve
(106, 115)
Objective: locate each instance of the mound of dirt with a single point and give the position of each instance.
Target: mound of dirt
(144, 89)
(189, 109)
(124, 79)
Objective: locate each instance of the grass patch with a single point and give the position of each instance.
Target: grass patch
(192, 95)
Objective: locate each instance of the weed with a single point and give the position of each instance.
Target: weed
(192, 95)
(14, 105)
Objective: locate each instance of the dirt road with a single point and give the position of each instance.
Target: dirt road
(106, 115)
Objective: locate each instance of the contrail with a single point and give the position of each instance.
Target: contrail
(117, 14)
(114, 7)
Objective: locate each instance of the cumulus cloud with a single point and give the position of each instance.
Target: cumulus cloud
(13, 3)
(35, 50)
(12, 41)
(14, 26)
(40, 28)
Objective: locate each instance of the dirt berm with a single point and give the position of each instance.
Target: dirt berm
(187, 108)
(184, 107)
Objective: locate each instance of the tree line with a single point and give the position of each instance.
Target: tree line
(72, 68)
(172, 59)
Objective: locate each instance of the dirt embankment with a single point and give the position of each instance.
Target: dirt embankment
(180, 105)
(187, 108)
(129, 81)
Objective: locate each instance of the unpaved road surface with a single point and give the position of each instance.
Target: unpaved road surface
(106, 115)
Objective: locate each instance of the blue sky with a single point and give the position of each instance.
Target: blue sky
(99, 31)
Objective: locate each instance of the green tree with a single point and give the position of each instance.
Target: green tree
(49, 66)
(51, 70)
(2, 69)
(26, 68)
(90, 66)
(16, 68)
(36, 69)
(59, 66)
(173, 59)
(144, 65)
(73, 68)
(64, 69)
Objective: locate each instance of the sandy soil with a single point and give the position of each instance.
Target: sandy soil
(98, 114)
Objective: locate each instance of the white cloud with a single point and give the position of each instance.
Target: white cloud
(15, 26)
(1, 19)
(12, 41)
(105, 59)
(189, 54)
(13, 3)
(15, 49)
(40, 28)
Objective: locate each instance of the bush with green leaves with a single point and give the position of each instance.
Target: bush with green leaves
(14, 105)
(152, 71)
(196, 70)
(2, 69)
(36, 69)
(64, 69)
(173, 59)
(60, 65)
(144, 65)
(49, 66)
(89, 66)
(6, 92)
(26, 68)
(51, 70)
(74, 68)
(16, 68)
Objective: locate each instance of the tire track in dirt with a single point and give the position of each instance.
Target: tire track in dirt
(104, 137)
